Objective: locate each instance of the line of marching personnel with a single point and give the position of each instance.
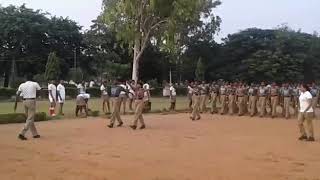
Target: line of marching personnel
(241, 98)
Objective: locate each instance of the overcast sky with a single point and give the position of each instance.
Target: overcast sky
(236, 14)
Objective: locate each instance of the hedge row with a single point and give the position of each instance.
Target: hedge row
(20, 118)
(7, 93)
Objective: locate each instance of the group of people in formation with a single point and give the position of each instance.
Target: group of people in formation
(240, 98)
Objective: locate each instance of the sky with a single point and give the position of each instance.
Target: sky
(236, 14)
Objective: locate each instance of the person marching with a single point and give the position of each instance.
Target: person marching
(123, 97)
(204, 97)
(296, 94)
(139, 105)
(262, 93)
(105, 97)
(223, 98)
(253, 97)
(306, 114)
(286, 94)
(115, 93)
(240, 92)
(190, 94)
(195, 115)
(214, 97)
(232, 98)
(29, 93)
(130, 85)
(61, 91)
(52, 97)
(173, 95)
(274, 96)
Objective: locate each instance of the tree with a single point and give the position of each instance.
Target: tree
(200, 70)
(160, 21)
(53, 67)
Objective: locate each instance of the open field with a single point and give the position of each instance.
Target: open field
(94, 104)
(171, 148)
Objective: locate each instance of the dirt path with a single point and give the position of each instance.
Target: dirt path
(172, 148)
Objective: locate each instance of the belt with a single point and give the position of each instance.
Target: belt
(29, 99)
(139, 98)
(240, 96)
(274, 95)
(286, 96)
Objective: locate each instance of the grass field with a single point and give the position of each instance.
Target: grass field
(94, 104)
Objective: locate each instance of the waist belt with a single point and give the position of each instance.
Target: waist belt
(273, 95)
(29, 99)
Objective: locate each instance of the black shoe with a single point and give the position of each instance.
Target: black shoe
(303, 138)
(198, 118)
(120, 124)
(36, 136)
(143, 127)
(110, 125)
(22, 138)
(311, 139)
(192, 118)
(133, 127)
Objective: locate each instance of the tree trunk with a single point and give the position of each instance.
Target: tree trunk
(136, 58)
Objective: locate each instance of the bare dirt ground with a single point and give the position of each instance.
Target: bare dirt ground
(171, 148)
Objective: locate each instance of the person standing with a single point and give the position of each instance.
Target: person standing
(286, 96)
(232, 98)
(52, 92)
(223, 98)
(195, 115)
(241, 90)
(274, 96)
(61, 91)
(204, 97)
(190, 94)
(315, 96)
(253, 92)
(29, 92)
(115, 93)
(139, 105)
(262, 93)
(82, 104)
(214, 94)
(296, 95)
(173, 95)
(105, 97)
(306, 114)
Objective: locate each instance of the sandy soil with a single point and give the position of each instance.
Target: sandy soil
(172, 148)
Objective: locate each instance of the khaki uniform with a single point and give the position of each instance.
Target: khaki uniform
(30, 110)
(196, 105)
(241, 100)
(274, 96)
(116, 111)
(262, 100)
(139, 105)
(223, 99)
(232, 100)
(252, 101)
(203, 98)
(214, 98)
(295, 101)
(286, 95)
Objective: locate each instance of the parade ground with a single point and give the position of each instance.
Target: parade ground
(171, 148)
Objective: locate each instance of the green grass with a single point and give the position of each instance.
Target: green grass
(94, 104)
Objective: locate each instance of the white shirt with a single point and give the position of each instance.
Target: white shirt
(62, 91)
(91, 84)
(53, 89)
(29, 89)
(103, 90)
(173, 91)
(124, 87)
(81, 89)
(303, 99)
(190, 90)
(147, 93)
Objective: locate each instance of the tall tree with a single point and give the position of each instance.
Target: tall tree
(53, 67)
(200, 70)
(160, 21)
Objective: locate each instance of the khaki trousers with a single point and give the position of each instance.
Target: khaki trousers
(306, 117)
(203, 100)
(232, 104)
(252, 105)
(241, 101)
(223, 99)
(116, 111)
(214, 97)
(286, 107)
(30, 109)
(274, 104)
(196, 107)
(296, 105)
(262, 105)
(139, 105)
(314, 104)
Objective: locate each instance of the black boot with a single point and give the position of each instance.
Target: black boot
(133, 127)
(110, 125)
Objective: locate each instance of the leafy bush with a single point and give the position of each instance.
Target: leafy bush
(7, 93)
(94, 113)
(20, 118)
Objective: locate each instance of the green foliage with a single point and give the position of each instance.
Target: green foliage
(52, 68)
(7, 93)
(20, 118)
(94, 113)
(200, 70)
(75, 75)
